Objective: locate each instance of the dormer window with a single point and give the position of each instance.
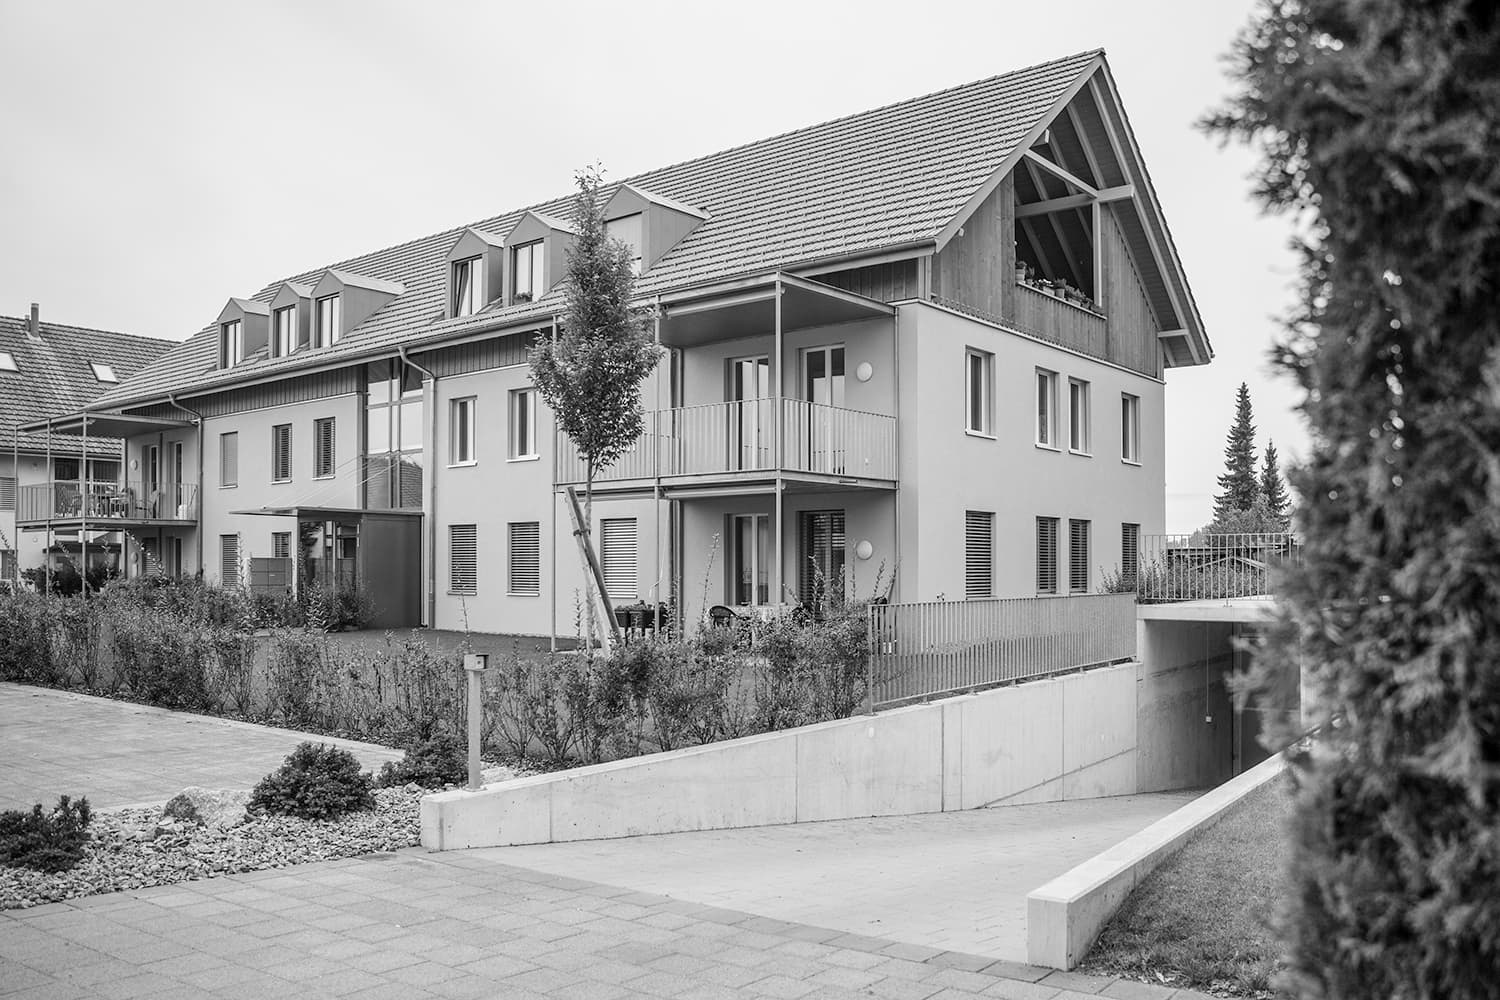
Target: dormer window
(8, 362)
(327, 321)
(628, 230)
(468, 286)
(231, 343)
(283, 331)
(526, 272)
(104, 373)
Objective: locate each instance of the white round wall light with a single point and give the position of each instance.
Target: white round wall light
(864, 549)
(864, 371)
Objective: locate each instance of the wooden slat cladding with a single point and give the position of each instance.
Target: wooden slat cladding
(1053, 319)
(976, 268)
(319, 385)
(1132, 321)
(480, 355)
(888, 282)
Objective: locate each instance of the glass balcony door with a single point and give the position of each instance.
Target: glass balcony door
(823, 387)
(750, 559)
(750, 422)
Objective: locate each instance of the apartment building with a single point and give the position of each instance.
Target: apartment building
(924, 344)
(46, 369)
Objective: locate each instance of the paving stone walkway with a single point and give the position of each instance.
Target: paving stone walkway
(410, 926)
(118, 753)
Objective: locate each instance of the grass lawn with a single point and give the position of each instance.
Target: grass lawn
(1202, 920)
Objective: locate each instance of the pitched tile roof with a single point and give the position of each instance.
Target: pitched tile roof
(864, 183)
(54, 377)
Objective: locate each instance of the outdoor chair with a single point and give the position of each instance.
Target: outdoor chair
(721, 616)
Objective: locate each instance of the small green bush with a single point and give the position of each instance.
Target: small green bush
(47, 842)
(442, 760)
(317, 781)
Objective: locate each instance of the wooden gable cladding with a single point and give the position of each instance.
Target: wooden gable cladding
(977, 267)
(479, 355)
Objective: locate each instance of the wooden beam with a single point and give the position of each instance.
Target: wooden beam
(1096, 221)
(1074, 201)
(1062, 241)
(1036, 245)
(1083, 142)
(1060, 173)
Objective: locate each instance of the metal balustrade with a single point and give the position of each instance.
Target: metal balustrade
(68, 500)
(1203, 567)
(922, 650)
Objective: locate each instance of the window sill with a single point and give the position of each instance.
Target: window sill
(978, 434)
(524, 458)
(1080, 454)
(1049, 447)
(523, 593)
(463, 593)
(281, 482)
(229, 486)
(1130, 461)
(327, 477)
(463, 465)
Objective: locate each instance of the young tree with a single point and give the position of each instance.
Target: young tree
(1273, 490)
(1378, 122)
(1238, 482)
(590, 371)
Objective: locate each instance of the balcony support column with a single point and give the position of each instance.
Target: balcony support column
(51, 507)
(83, 509)
(777, 582)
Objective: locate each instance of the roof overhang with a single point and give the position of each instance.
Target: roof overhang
(302, 513)
(102, 424)
(747, 308)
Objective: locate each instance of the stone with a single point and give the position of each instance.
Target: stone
(215, 808)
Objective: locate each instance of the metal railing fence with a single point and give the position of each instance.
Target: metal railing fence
(96, 501)
(1202, 567)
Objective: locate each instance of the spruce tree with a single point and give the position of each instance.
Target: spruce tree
(1238, 483)
(1272, 489)
(1377, 122)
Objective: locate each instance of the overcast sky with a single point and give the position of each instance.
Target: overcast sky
(161, 157)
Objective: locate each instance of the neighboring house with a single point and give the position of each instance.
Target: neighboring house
(47, 369)
(924, 343)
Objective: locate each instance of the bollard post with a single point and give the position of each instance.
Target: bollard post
(475, 664)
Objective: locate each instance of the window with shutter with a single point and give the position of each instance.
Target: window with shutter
(525, 558)
(463, 558)
(229, 459)
(281, 545)
(1130, 554)
(1046, 555)
(618, 544)
(821, 566)
(281, 453)
(979, 553)
(323, 448)
(7, 492)
(229, 560)
(1078, 556)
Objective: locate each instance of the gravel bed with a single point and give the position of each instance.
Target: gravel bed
(114, 861)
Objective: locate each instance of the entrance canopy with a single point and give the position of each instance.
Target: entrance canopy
(747, 308)
(96, 423)
(326, 513)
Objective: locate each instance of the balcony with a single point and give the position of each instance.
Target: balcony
(63, 503)
(737, 441)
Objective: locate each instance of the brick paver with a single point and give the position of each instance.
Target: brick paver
(947, 881)
(118, 753)
(461, 926)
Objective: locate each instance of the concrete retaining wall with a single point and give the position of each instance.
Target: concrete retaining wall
(1064, 916)
(1063, 738)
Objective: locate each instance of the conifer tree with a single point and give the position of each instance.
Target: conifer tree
(1238, 483)
(1377, 122)
(1272, 489)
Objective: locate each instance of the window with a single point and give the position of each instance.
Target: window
(1078, 416)
(1130, 554)
(7, 492)
(1046, 555)
(979, 381)
(281, 453)
(284, 331)
(1078, 556)
(627, 230)
(461, 431)
(104, 373)
(979, 553)
(468, 295)
(327, 332)
(8, 362)
(229, 459)
(1130, 427)
(1046, 408)
(617, 546)
(231, 343)
(525, 558)
(526, 272)
(395, 418)
(750, 559)
(523, 423)
(281, 545)
(463, 559)
(822, 555)
(323, 435)
(229, 560)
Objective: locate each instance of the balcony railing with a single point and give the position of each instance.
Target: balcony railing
(1204, 567)
(740, 437)
(72, 501)
(1070, 323)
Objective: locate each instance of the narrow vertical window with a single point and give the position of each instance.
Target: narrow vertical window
(1046, 408)
(979, 553)
(618, 554)
(461, 431)
(525, 558)
(979, 380)
(229, 459)
(281, 545)
(323, 457)
(229, 560)
(468, 294)
(281, 453)
(463, 559)
(523, 423)
(1130, 427)
(1130, 554)
(231, 344)
(328, 321)
(526, 272)
(7, 492)
(1078, 416)
(1046, 555)
(1078, 556)
(284, 332)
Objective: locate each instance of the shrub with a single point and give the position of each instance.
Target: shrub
(317, 781)
(442, 760)
(47, 842)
